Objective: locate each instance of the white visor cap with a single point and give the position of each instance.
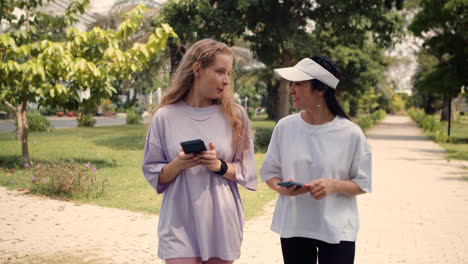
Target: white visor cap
(307, 69)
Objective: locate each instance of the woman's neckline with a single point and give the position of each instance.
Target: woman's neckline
(314, 127)
(199, 113)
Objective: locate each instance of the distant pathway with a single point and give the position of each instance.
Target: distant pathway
(418, 213)
(66, 122)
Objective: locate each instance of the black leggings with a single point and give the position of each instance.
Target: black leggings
(301, 250)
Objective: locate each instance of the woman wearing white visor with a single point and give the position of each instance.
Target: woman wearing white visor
(328, 154)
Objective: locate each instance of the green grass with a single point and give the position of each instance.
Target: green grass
(459, 132)
(261, 121)
(117, 154)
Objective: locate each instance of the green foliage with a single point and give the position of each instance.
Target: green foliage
(250, 113)
(379, 115)
(36, 122)
(399, 102)
(6, 108)
(343, 30)
(86, 120)
(363, 72)
(196, 19)
(262, 137)
(67, 179)
(111, 107)
(442, 25)
(365, 122)
(133, 118)
(41, 63)
(430, 124)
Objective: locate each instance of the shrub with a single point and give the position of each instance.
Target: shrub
(378, 115)
(430, 123)
(417, 115)
(67, 179)
(111, 107)
(86, 120)
(36, 122)
(250, 113)
(441, 137)
(133, 118)
(263, 137)
(365, 122)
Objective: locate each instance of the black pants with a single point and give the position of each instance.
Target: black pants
(301, 250)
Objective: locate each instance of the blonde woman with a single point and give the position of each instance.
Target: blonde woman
(201, 216)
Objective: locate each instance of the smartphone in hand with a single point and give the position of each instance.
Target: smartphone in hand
(288, 184)
(193, 146)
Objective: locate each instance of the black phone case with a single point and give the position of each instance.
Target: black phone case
(289, 184)
(193, 146)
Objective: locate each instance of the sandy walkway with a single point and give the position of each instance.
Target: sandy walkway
(418, 213)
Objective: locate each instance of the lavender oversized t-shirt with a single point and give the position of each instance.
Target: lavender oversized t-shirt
(201, 213)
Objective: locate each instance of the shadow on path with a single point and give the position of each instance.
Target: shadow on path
(397, 137)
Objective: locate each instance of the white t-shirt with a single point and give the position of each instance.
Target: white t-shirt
(304, 152)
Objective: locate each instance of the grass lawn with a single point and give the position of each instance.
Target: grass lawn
(117, 154)
(459, 132)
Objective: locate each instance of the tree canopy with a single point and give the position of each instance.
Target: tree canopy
(442, 26)
(41, 65)
(280, 33)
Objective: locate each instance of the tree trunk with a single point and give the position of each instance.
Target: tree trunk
(176, 54)
(283, 109)
(19, 126)
(447, 101)
(24, 140)
(272, 100)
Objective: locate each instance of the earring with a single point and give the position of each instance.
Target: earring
(318, 105)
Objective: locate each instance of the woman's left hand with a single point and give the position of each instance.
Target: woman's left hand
(209, 159)
(320, 188)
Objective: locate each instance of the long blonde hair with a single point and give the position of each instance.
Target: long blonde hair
(204, 52)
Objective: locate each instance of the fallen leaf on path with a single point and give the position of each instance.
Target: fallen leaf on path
(8, 174)
(12, 170)
(19, 189)
(26, 191)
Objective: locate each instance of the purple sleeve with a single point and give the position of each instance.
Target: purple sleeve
(246, 172)
(154, 157)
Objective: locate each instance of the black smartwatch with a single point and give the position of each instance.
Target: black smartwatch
(224, 168)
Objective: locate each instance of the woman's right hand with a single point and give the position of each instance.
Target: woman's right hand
(185, 161)
(290, 191)
(180, 162)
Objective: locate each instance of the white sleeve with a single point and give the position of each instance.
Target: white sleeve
(271, 166)
(361, 167)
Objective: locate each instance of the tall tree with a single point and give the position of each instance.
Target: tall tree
(196, 19)
(285, 31)
(442, 25)
(282, 32)
(37, 67)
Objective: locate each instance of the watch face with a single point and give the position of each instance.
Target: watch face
(224, 168)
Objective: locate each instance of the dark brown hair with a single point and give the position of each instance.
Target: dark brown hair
(330, 94)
